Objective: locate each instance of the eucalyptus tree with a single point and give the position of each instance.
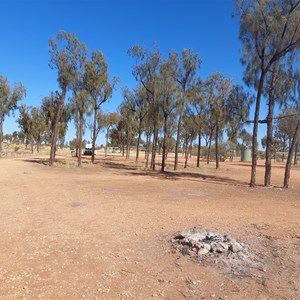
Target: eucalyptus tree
(237, 111)
(219, 89)
(49, 106)
(81, 106)
(188, 63)
(246, 139)
(146, 71)
(49, 109)
(167, 99)
(270, 32)
(99, 87)
(117, 136)
(189, 132)
(148, 131)
(282, 137)
(209, 125)
(8, 137)
(142, 109)
(32, 122)
(128, 125)
(279, 84)
(293, 146)
(38, 126)
(138, 103)
(25, 123)
(80, 100)
(197, 105)
(109, 121)
(66, 56)
(9, 98)
(296, 135)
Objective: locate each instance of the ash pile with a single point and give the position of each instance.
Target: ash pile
(213, 247)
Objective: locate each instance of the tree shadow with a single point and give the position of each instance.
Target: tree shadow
(258, 165)
(190, 176)
(119, 166)
(37, 161)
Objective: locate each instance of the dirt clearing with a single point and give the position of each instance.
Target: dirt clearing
(104, 231)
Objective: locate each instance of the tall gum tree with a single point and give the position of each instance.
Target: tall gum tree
(278, 89)
(137, 101)
(237, 111)
(197, 105)
(66, 57)
(269, 31)
(188, 62)
(146, 72)
(219, 87)
(9, 98)
(296, 135)
(167, 96)
(80, 99)
(99, 89)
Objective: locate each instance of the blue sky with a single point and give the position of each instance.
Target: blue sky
(112, 26)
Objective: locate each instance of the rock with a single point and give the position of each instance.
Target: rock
(207, 246)
(202, 251)
(179, 237)
(216, 248)
(185, 241)
(193, 243)
(185, 250)
(235, 247)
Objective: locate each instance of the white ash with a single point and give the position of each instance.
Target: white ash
(216, 248)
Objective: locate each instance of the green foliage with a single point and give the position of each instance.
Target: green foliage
(269, 30)
(73, 144)
(67, 55)
(9, 98)
(32, 122)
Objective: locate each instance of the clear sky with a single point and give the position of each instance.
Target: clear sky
(112, 26)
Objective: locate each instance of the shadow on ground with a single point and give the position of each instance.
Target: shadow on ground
(190, 176)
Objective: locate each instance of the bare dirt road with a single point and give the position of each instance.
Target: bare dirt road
(104, 231)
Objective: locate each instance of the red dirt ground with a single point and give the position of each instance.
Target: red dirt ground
(103, 231)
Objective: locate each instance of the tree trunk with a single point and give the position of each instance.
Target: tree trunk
(94, 134)
(138, 141)
(186, 155)
(56, 123)
(296, 151)
(268, 163)
(77, 135)
(255, 129)
(1, 132)
(208, 151)
(123, 149)
(147, 152)
(177, 142)
(106, 141)
(128, 146)
(290, 156)
(164, 145)
(217, 146)
(199, 148)
(155, 135)
(81, 121)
